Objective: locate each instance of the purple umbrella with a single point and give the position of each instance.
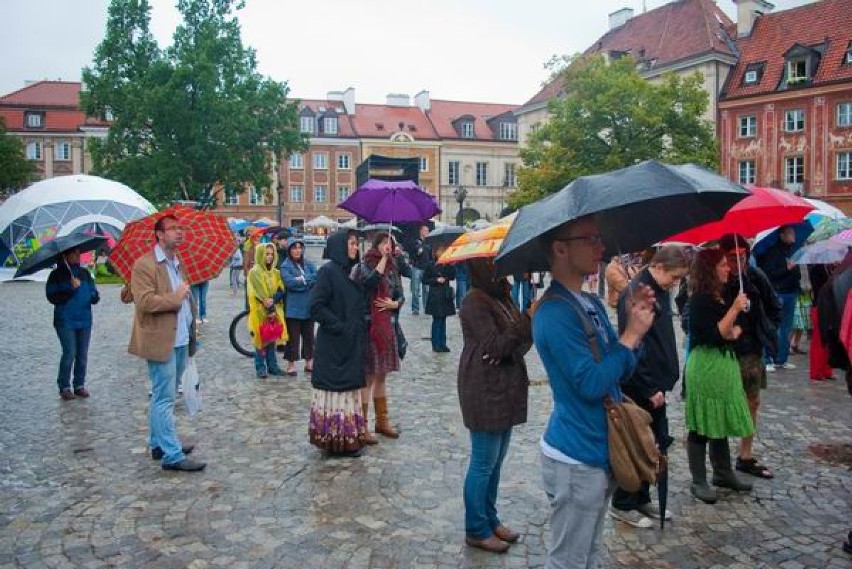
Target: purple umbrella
(381, 201)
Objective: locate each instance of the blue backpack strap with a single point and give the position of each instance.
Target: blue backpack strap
(588, 326)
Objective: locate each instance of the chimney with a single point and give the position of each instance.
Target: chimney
(747, 13)
(620, 17)
(347, 97)
(398, 100)
(421, 99)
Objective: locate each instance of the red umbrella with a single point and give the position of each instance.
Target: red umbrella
(208, 243)
(763, 209)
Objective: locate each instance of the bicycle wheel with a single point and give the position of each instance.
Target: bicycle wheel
(239, 335)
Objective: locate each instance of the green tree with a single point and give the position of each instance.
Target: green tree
(15, 170)
(191, 116)
(610, 118)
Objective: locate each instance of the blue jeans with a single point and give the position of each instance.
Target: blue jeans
(161, 418)
(75, 353)
(461, 290)
(417, 287)
(788, 309)
(487, 451)
(199, 291)
(439, 332)
(522, 294)
(265, 360)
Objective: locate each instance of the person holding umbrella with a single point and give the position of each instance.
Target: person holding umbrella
(72, 292)
(441, 301)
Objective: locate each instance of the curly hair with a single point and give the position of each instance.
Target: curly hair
(702, 276)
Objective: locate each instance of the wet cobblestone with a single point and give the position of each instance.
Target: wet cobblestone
(78, 489)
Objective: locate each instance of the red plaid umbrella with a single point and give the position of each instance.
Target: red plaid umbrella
(208, 243)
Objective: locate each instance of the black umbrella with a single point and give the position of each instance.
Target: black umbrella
(442, 236)
(635, 207)
(664, 441)
(49, 254)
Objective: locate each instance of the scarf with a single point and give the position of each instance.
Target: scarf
(381, 321)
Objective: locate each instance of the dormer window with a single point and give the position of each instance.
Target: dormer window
(847, 57)
(34, 120)
(797, 71)
(307, 125)
(750, 77)
(330, 125)
(753, 73)
(508, 131)
(801, 64)
(467, 130)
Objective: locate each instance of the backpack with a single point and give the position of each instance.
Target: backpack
(633, 452)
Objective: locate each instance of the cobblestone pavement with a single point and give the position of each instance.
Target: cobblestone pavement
(79, 490)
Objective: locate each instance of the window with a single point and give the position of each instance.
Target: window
(844, 165)
(343, 161)
(747, 172)
(62, 151)
(233, 198)
(34, 150)
(467, 130)
(751, 77)
(508, 131)
(320, 194)
(844, 114)
(509, 179)
(794, 121)
(320, 160)
(35, 120)
(424, 164)
(748, 126)
(306, 125)
(297, 194)
(330, 125)
(794, 171)
(254, 197)
(797, 71)
(343, 193)
(847, 58)
(453, 173)
(296, 162)
(482, 173)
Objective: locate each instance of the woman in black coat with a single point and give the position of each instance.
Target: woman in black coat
(337, 422)
(441, 300)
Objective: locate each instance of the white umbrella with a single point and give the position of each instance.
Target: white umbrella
(321, 222)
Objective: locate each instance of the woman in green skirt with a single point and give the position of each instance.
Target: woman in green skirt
(716, 406)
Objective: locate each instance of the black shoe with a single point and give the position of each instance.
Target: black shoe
(277, 372)
(415, 313)
(185, 465)
(445, 349)
(347, 454)
(157, 452)
(262, 375)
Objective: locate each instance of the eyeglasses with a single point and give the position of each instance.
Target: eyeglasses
(590, 239)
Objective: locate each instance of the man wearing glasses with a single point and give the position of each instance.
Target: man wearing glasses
(164, 335)
(574, 449)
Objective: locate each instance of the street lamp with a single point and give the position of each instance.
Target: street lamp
(460, 194)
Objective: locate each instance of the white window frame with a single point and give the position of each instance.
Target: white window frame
(233, 199)
(453, 172)
(508, 131)
(320, 191)
(844, 114)
(750, 77)
(330, 125)
(747, 172)
(794, 170)
(482, 173)
(34, 151)
(62, 151)
(343, 192)
(792, 67)
(424, 164)
(344, 161)
(297, 194)
(794, 120)
(467, 130)
(843, 166)
(320, 160)
(510, 175)
(750, 124)
(847, 58)
(35, 120)
(307, 125)
(255, 197)
(297, 161)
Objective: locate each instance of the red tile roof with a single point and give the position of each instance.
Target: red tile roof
(60, 101)
(344, 123)
(367, 119)
(674, 32)
(773, 35)
(443, 113)
(45, 94)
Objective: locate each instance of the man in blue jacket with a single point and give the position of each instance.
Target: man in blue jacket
(574, 450)
(784, 275)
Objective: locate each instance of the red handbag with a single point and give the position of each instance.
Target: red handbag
(271, 329)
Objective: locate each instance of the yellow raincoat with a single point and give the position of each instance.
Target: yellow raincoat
(263, 283)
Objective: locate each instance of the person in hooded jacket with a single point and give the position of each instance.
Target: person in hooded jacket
(441, 300)
(338, 304)
(300, 276)
(72, 292)
(266, 301)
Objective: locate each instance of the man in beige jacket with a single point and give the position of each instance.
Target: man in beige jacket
(164, 335)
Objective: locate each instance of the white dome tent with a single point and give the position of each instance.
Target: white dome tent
(65, 204)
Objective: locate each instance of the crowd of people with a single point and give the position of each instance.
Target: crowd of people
(342, 320)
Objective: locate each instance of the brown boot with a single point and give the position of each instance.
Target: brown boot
(369, 437)
(383, 426)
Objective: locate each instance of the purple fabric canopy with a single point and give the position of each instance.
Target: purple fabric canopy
(380, 201)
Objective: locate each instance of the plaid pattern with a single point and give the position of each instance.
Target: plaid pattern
(208, 243)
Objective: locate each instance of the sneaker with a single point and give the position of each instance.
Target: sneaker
(198, 322)
(770, 368)
(633, 517)
(205, 320)
(788, 365)
(653, 511)
(180, 389)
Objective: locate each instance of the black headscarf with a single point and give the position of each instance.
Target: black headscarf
(337, 249)
(482, 277)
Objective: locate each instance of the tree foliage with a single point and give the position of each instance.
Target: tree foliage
(15, 170)
(610, 118)
(189, 117)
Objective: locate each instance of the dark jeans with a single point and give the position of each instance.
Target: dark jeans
(75, 354)
(265, 360)
(439, 332)
(199, 291)
(788, 310)
(300, 332)
(623, 500)
(461, 290)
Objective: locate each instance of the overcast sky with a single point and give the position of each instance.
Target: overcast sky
(470, 50)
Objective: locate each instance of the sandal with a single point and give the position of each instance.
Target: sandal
(751, 466)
